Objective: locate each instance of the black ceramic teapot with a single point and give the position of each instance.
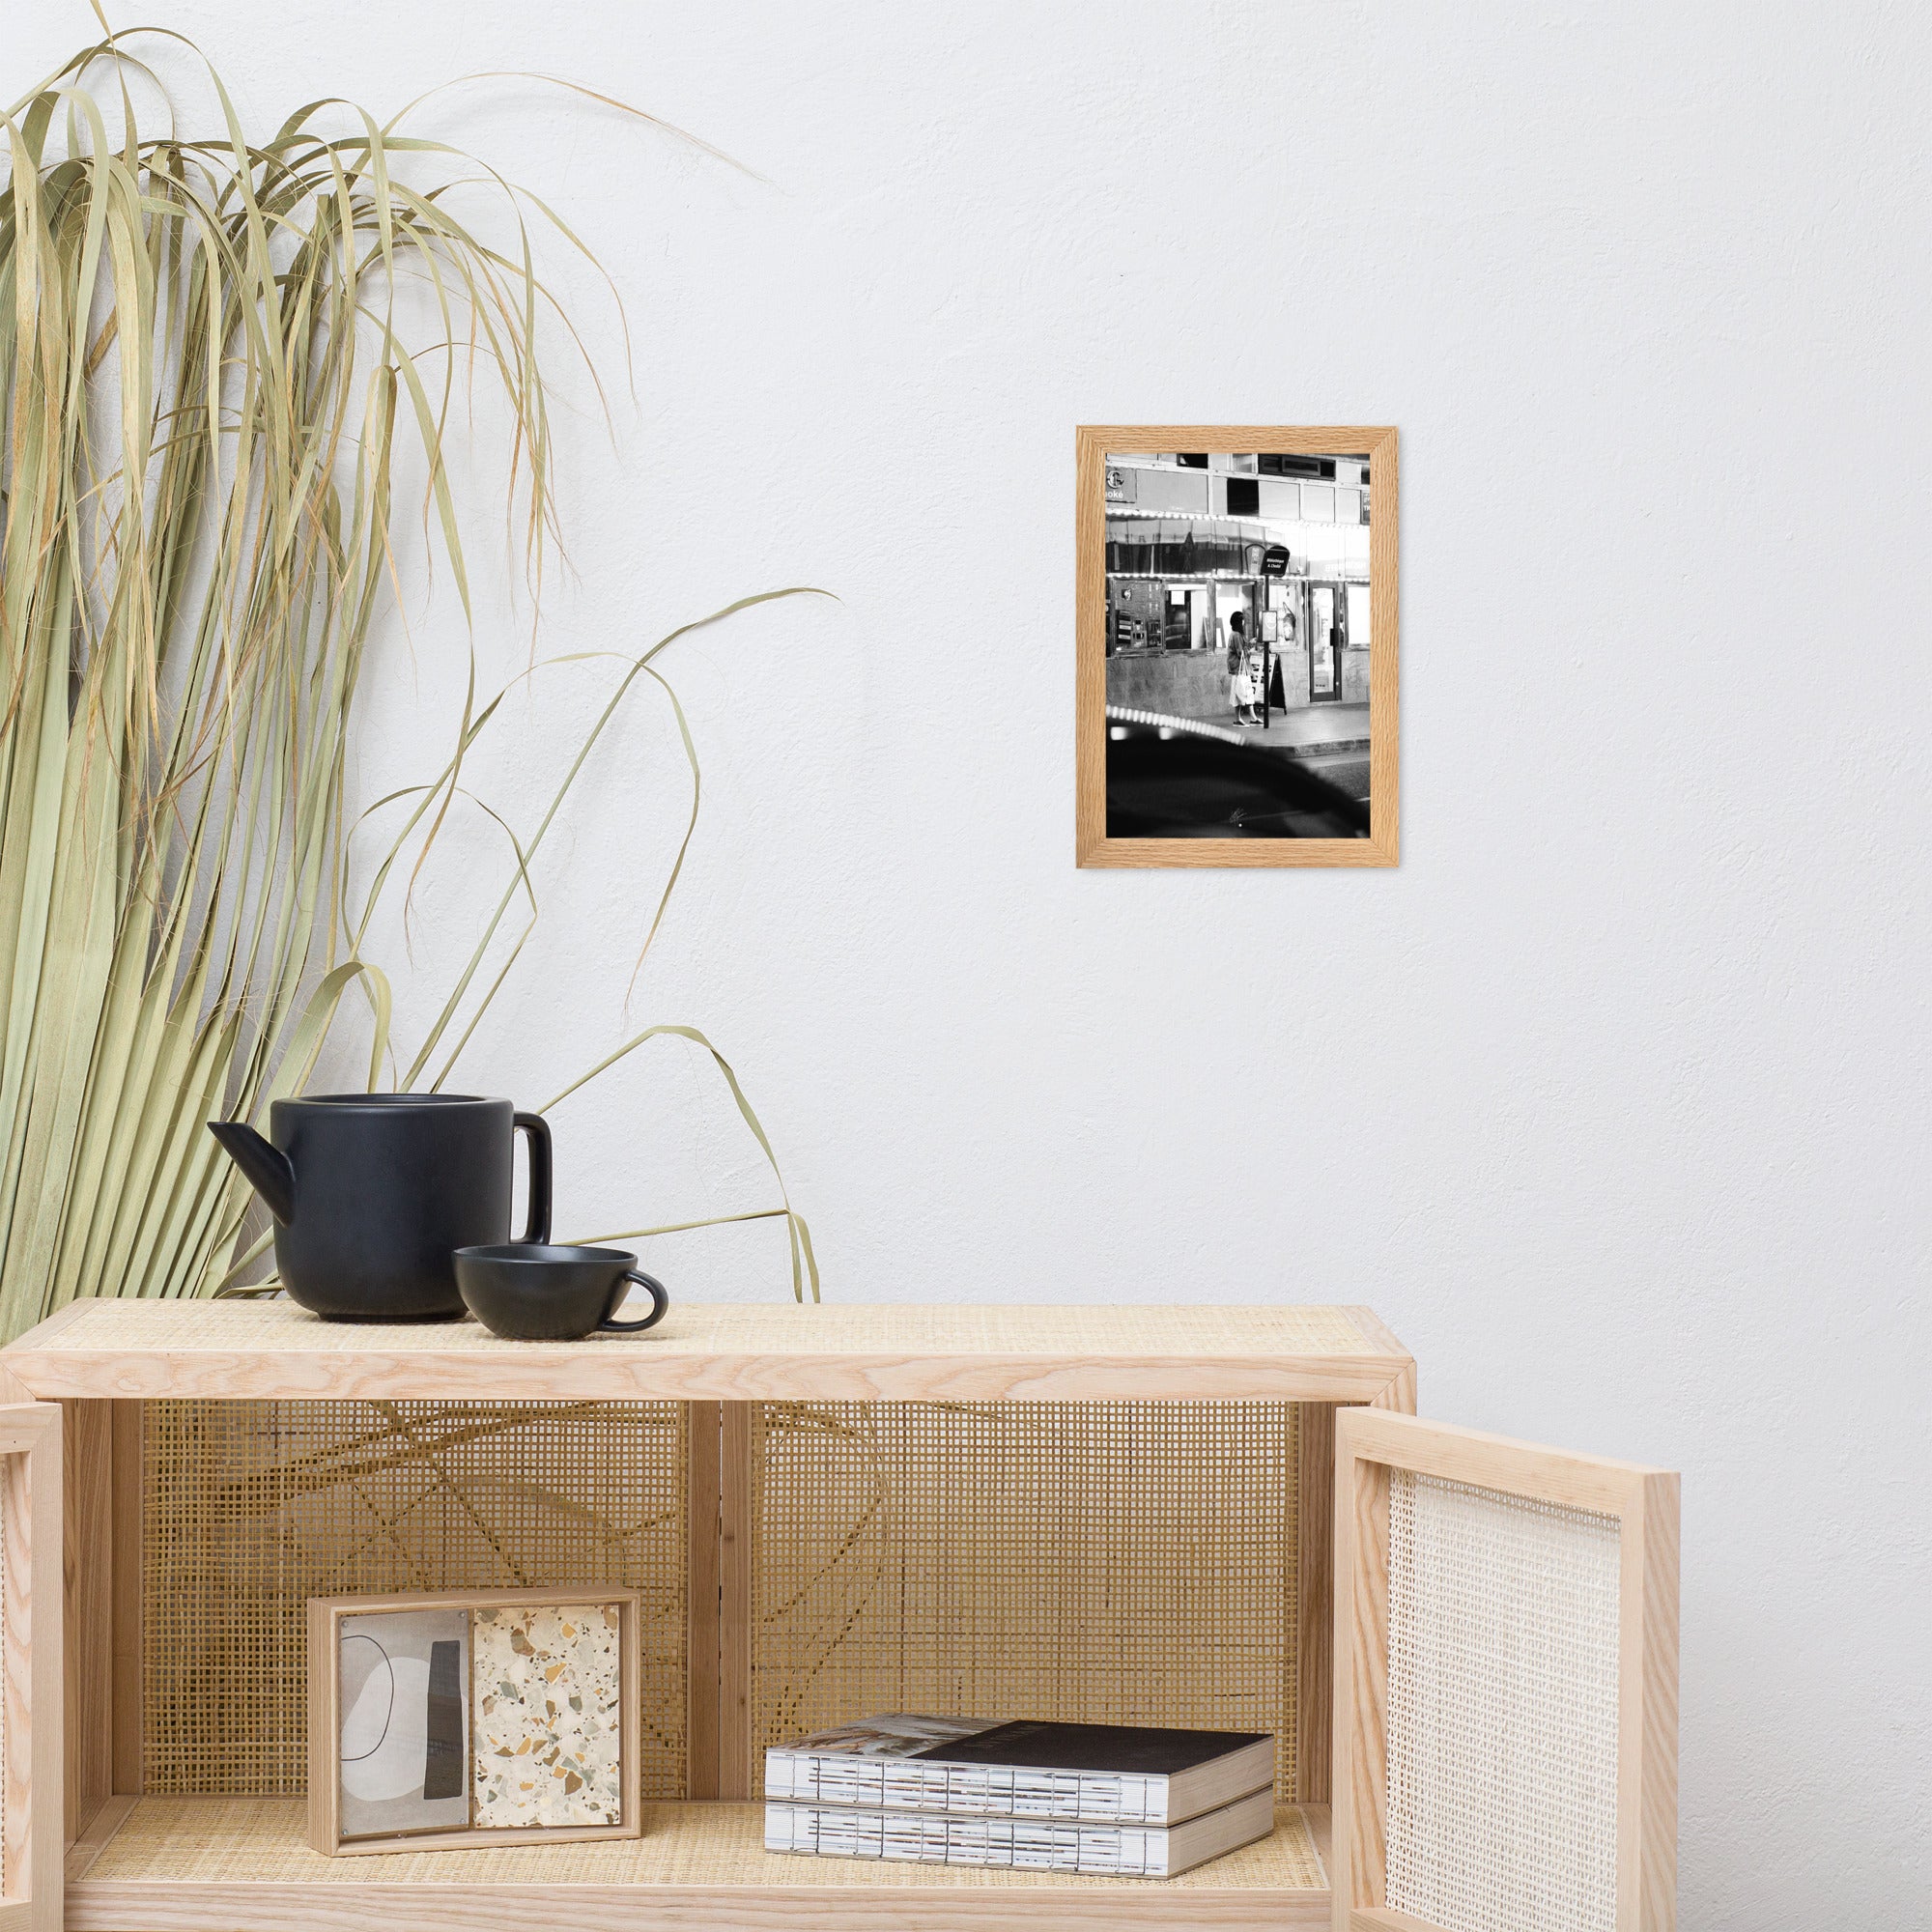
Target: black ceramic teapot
(373, 1192)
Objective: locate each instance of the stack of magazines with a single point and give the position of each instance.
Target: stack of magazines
(1115, 1800)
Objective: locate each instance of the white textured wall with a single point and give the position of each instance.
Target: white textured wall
(1612, 1100)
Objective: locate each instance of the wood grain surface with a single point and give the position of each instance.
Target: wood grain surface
(728, 1352)
(239, 1866)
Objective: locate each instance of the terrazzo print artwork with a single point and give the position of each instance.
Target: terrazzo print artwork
(548, 1727)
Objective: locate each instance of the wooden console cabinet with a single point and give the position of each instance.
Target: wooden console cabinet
(96, 1838)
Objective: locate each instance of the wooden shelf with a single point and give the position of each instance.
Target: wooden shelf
(734, 1353)
(240, 1864)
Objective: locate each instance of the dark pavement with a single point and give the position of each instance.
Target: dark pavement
(1349, 771)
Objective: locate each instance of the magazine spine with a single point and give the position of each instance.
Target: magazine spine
(1004, 1791)
(1022, 1844)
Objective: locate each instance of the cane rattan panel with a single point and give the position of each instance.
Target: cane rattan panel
(1126, 1562)
(250, 1508)
(242, 1842)
(1502, 1710)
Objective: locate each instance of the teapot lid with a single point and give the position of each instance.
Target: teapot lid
(390, 1100)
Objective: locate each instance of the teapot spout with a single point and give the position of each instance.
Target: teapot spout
(266, 1165)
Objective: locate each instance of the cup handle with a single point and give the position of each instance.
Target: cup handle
(538, 1230)
(660, 1301)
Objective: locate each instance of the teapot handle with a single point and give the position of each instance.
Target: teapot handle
(537, 1228)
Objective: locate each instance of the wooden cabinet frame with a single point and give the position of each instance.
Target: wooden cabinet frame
(100, 1361)
(717, 1583)
(31, 1808)
(104, 1359)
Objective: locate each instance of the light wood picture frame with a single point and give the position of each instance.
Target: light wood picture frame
(327, 1616)
(1368, 457)
(1373, 1450)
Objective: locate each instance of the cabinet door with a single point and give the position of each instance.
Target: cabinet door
(30, 1667)
(1505, 1685)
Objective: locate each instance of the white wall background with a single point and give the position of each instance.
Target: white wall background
(1613, 1098)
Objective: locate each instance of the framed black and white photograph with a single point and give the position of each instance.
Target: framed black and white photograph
(1237, 674)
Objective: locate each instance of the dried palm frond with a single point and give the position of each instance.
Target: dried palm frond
(209, 385)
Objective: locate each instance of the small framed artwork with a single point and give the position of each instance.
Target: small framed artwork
(1235, 623)
(482, 1718)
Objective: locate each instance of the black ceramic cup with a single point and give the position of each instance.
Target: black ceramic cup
(529, 1291)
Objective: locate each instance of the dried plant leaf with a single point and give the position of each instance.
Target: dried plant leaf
(205, 381)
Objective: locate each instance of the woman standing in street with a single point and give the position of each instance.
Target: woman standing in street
(1241, 669)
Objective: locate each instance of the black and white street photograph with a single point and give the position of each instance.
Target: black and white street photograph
(1239, 638)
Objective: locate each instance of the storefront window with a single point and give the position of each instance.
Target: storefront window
(1359, 631)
